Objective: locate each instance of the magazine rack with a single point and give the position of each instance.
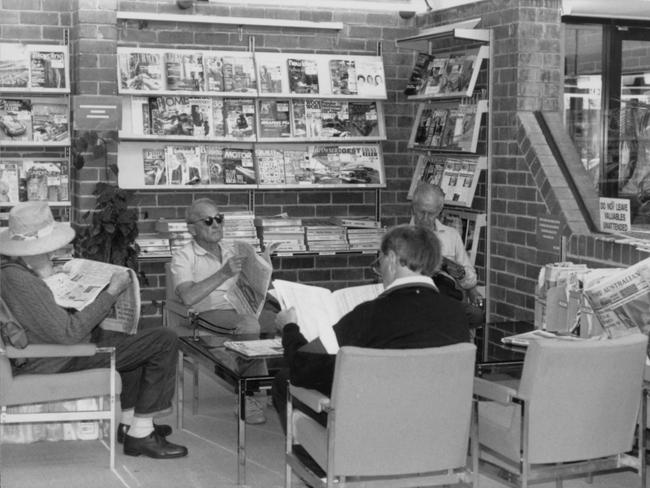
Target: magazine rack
(35, 125)
(453, 89)
(248, 120)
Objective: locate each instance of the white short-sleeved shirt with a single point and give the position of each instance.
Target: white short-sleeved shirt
(192, 263)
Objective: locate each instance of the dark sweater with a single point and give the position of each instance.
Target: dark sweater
(406, 317)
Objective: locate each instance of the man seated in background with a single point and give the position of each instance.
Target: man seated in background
(410, 313)
(205, 269)
(457, 276)
(146, 360)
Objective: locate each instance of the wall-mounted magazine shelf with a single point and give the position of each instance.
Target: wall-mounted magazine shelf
(159, 165)
(253, 120)
(35, 125)
(448, 127)
(457, 176)
(446, 75)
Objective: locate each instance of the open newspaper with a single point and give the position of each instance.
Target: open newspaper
(249, 292)
(318, 309)
(78, 282)
(621, 300)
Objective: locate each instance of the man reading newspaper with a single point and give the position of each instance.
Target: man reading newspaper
(226, 284)
(146, 360)
(410, 313)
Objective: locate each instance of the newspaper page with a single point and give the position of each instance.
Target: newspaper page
(79, 281)
(318, 309)
(248, 294)
(267, 348)
(621, 301)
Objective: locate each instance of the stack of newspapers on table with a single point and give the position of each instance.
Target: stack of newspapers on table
(323, 235)
(240, 226)
(175, 231)
(364, 233)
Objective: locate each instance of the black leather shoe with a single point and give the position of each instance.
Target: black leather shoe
(153, 446)
(162, 430)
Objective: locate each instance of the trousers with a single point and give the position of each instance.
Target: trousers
(279, 397)
(146, 362)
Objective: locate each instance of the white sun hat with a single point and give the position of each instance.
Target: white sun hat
(32, 230)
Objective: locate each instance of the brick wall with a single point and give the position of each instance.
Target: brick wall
(96, 36)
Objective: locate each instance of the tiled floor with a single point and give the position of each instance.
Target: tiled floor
(212, 462)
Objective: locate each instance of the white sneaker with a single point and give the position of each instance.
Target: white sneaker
(254, 411)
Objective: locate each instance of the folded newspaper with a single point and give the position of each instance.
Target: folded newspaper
(248, 294)
(78, 282)
(621, 300)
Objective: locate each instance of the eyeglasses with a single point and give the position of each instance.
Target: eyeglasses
(375, 266)
(219, 218)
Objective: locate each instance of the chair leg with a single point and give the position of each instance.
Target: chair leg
(288, 439)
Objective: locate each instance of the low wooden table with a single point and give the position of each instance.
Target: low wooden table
(246, 376)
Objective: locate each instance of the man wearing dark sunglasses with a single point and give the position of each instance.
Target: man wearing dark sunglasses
(203, 272)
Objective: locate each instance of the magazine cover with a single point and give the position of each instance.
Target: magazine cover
(468, 138)
(270, 166)
(213, 69)
(155, 166)
(43, 179)
(296, 166)
(137, 112)
(418, 77)
(363, 119)
(214, 161)
(47, 69)
(9, 181)
(15, 119)
(422, 133)
(452, 75)
(184, 71)
(14, 65)
(239, 115)
(469, 59)
(64, 185)
(343, 77)
(171, 115)
(437, 126)
(303, 76)
(183, 164)
(141, 71)
(335, 118)
(360, 164)
(371, 81)
(50, 120)
(239, 74)
(435, 78)
(275, 118)
(313, 118)
(270, 75)
(325, 164)
(452, 129)
(202, 116)
(298, 119)
(238, 166)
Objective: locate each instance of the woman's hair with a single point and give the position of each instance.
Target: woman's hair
(416, 247)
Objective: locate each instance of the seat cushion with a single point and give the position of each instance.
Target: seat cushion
(38, 388)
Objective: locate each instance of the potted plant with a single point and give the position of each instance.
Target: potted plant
(112, 228)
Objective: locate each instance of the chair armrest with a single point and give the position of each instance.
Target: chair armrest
(312, 398)
(179, 308)
(490, 390)
(53, 350)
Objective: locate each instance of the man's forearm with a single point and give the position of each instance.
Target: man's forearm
(196, 292)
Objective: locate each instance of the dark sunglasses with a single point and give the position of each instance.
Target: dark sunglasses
(209, 220)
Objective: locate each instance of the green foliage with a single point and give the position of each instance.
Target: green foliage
(112, 228)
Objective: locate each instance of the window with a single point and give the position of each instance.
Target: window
(607, 109)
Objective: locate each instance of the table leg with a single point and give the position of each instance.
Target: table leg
(180, 390)
(241, 432)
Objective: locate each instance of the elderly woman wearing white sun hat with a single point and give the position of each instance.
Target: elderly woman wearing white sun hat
(146, 361)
